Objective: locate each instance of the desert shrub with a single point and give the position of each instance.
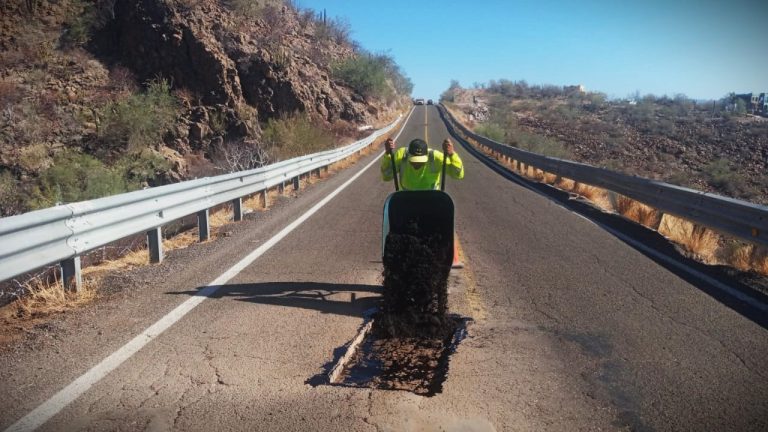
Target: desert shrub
(491, 130)
(565, 114)
(541, 145)
(250, 9)
(140, 120)
(76, 176)
(33, 158)
(295, 136)
(10, 93)
(721, 175)
(140, 169)
(85, 18)
(10, 198)
(363, 74)
(336, 29)
(233, 156)
(122, 80)
(34, 45)
(372, 75)
(449, 95)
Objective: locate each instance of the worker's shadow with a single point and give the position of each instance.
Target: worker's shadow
(339, 299)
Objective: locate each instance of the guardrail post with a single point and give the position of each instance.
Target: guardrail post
(264, 199)
(325, 168)
(296, 183)
(518, 166)
(317, 172)
(71, 275)
(237, 209)
(281, 188)
(155, 245)
(203, 225)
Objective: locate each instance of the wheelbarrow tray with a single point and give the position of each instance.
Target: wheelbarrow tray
(431, 210)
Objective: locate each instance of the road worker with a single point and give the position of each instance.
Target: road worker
(418, 166)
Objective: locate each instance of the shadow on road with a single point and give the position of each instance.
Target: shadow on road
(338, 299)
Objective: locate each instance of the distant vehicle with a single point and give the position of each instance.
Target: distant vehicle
(418, 101)
(429, 102)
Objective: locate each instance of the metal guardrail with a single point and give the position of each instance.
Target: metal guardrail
(63, 233)
(730, 216)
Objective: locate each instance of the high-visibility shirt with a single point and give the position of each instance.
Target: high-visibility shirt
(425, 178)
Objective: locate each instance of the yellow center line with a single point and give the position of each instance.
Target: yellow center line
(473, 296)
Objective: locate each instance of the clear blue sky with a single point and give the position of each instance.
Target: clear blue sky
(702, 48)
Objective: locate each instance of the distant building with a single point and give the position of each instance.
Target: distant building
(754, 102)
(579, 88)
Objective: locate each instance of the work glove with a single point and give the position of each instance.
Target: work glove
(448, 147)
(389, 145)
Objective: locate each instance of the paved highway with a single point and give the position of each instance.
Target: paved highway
(573, 329)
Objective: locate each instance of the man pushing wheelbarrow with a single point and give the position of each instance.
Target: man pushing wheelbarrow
(418, 234)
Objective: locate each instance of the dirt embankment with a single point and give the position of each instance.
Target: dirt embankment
(705, 146)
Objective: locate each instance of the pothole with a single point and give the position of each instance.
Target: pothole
(416, 364)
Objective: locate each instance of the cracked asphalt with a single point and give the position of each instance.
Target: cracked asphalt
(573, 329)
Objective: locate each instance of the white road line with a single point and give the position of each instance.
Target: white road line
(733, 292)
(57, 402)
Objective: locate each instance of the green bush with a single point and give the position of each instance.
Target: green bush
(491, 130)
(140, 120)
(295, 136)
(540, 144)
(75, 176)
(363, 74)
(372, 75)
(84, 18)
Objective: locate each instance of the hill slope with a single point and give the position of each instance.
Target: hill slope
(104, 96)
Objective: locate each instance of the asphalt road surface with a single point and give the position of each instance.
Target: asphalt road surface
(573, 329)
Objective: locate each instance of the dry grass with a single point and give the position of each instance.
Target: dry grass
(549, 178)
(759, 259)
(132, 259)
(49, 297)
(636, 211)
(746, 257)
(701, 241)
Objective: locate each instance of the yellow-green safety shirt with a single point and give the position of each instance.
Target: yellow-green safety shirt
(425, 178)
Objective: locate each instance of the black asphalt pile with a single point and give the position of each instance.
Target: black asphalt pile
(415, 364)
(415, 294)
(412, 337)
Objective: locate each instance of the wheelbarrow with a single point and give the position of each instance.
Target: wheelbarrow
(432, 211)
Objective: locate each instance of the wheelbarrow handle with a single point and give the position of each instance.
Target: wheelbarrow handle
(443, 179)
(394, 169)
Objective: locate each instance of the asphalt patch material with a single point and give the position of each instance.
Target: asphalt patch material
(415, 276)
(415, 364)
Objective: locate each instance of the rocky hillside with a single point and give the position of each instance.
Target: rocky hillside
(104, 96)
(701, 145)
